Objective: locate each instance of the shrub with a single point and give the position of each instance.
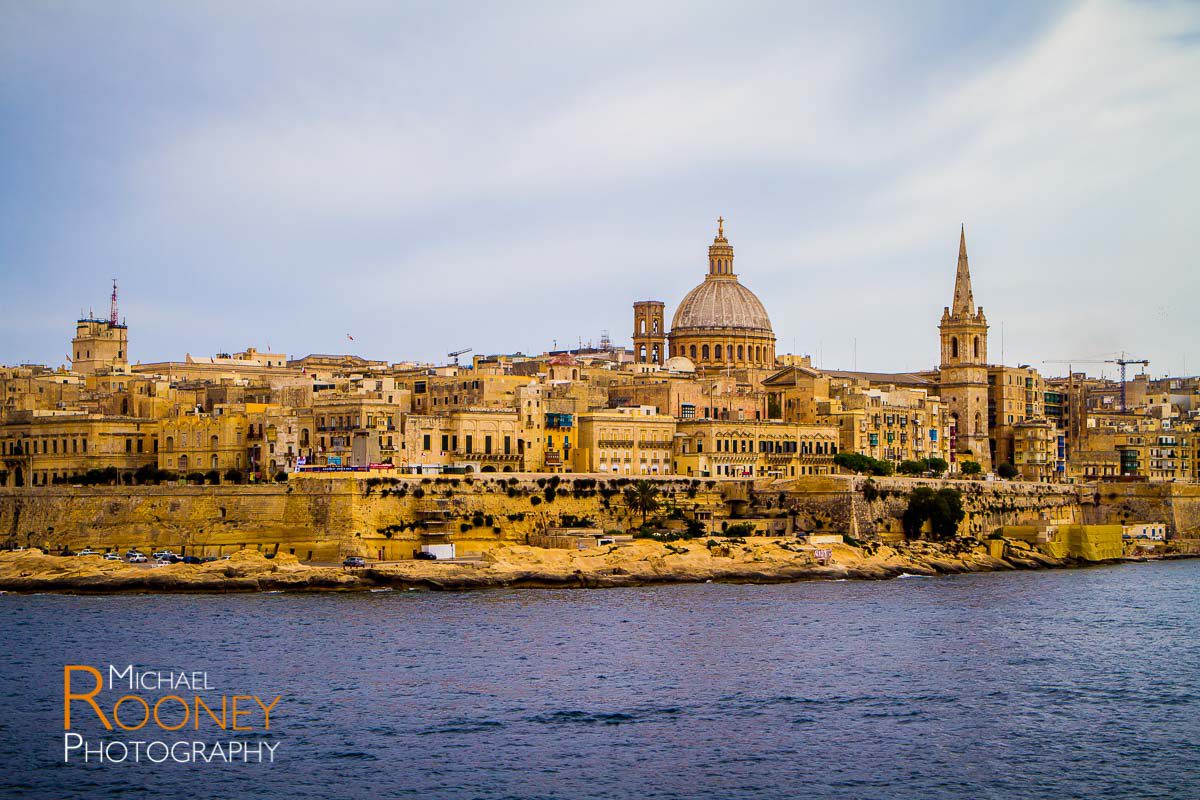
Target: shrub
(971, 468)
(938, 465)
(1006, 471)
(418, 492)
(281, 477)
(740, 529)
(235, 476)
(535, 500)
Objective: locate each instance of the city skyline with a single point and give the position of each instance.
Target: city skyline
(285, 196)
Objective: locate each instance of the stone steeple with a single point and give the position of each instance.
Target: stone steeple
(964, 300)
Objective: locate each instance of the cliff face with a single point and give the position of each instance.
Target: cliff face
(325, 518)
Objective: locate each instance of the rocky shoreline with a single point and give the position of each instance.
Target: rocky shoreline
(756, 560)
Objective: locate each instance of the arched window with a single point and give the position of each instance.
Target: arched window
(642, 326)
(954, 347)
(717, 352)
(978, 424)
(214, 461)
(170, 444)
(215, 442)
(693, 352)
(654, 325)
(704, 352)
(977, 347)
(741, 356)
(183, 463)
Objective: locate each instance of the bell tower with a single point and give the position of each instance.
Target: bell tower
(649, 337)
(963, 368)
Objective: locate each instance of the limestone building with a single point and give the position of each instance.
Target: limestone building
(963, 372)
(100, 345)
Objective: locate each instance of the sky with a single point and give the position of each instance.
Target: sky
(513, 176)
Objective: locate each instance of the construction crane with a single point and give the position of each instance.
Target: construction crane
(458, 353)
(1122, 362)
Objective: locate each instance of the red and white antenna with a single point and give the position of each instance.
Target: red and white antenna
(112, 313)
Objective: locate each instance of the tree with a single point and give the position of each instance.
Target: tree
(213, 477)
(642, 496)
(859, 463)
(937, 465)
(971, 468)
(281, 477)
(911, 467)
(943, 509)
(1007, 471)
(235, 476)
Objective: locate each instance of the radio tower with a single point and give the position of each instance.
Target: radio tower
(112, 313)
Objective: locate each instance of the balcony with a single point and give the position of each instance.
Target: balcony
(615, 444)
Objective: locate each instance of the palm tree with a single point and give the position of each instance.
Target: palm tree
(642, 496)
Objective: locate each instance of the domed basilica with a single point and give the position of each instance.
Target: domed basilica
(719, 324)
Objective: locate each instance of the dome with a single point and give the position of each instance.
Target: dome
(721, 302)
(679, 364)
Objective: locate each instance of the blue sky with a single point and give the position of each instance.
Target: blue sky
(504, 176)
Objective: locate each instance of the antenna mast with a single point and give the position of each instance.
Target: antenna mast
(112, 313)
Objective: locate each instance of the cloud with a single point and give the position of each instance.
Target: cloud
(508, 176)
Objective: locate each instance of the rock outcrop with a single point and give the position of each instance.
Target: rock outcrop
(754, 560)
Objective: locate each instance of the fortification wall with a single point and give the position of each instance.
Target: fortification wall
(326, 517)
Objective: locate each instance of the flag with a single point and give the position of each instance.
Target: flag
(348, 336)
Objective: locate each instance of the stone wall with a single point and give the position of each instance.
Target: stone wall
(326, 517)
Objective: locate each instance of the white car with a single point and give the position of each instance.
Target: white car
(161, 554)
(137, 558)
(87, 551)
(113, 556)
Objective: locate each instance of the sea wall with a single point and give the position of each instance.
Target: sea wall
(326, 517)
(1175, 504)
(871, 508)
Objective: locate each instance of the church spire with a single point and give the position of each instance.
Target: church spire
(964, 300)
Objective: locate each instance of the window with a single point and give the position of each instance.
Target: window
(445, 442)
(954, 347)
(425, 442)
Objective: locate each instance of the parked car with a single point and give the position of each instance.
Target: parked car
(191, 560)
(424, 556)
(161, 554)
(112, 555)
(87, 551)
(354, 561)
(136, 558)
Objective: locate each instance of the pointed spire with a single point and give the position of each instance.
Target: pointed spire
(964, 300)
